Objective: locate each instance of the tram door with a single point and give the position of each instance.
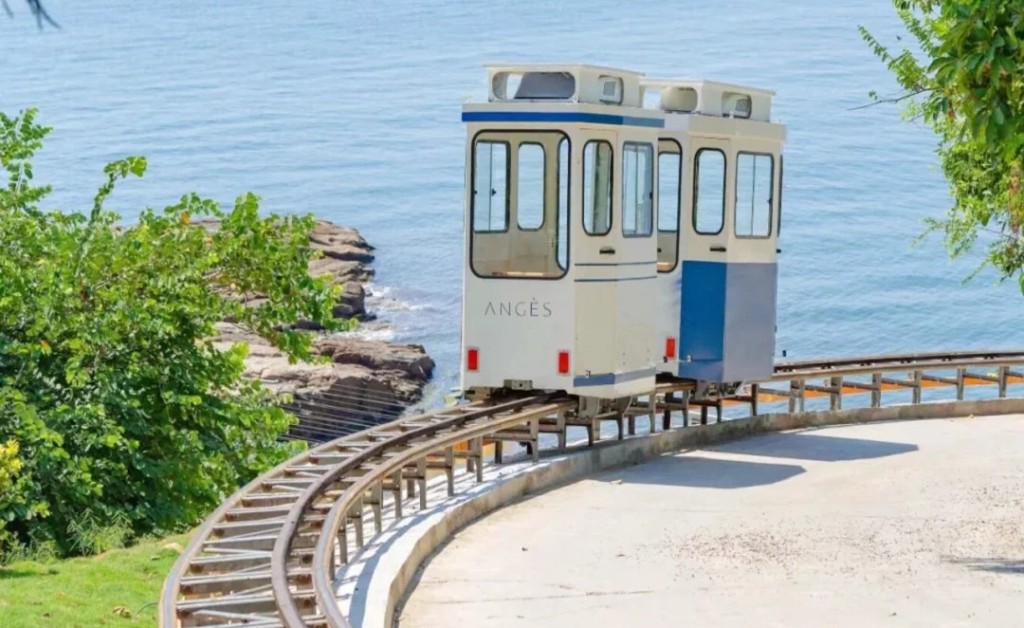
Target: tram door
(752, 277)
(704, 255)
(727, 326)
(615, 262)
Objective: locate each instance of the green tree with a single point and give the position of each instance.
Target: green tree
(122, 408)
(965, 79)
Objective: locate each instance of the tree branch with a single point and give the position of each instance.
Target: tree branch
(37, 9)
(901, 97)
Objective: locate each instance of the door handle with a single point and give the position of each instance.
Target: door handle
(777, 251)
(718, 249)
(607, 250)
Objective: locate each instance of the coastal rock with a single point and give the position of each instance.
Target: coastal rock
(344, 260)
(360, 382)
(399, 370)
(409, 360)
(352, 303)
(340, 242)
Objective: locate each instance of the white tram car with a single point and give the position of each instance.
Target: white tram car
(612, 244)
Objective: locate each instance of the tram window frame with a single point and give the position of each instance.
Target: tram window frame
(638, 148)
(771, 197)
(563, 190)
(678, 209)
(481, 137)
(508, 188)
(543, 185)
(782, 170)
(587, 211)
(696, 188)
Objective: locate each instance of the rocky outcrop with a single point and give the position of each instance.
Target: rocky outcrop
(358, 382)
(345, 259)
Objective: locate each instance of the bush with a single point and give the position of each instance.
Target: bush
(9, 467)
(125, 414)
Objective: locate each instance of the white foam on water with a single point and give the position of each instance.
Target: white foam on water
(379, 331)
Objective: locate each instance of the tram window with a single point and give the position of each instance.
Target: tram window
(597, 187)
(530, 186)
(668, 192)
(490, 186)
(670, 172)
(563, 204)
(637, 189)
(754, 175)
(782, 174)
(709, 192)
(519, 205)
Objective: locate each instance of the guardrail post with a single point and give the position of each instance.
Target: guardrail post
(876, 390)
(836, 394)
(449, 469)
(476, 446)
(357, 521)
(421, 473)
(960, 384)
(1002, 381)
(343, 543)
(535, 440)
(397, 493)
(801, 388)
(332, 560)
(376, 500)
(917, 387)
(666, 415)
(753, 399)
(792, 396)
(653, 411)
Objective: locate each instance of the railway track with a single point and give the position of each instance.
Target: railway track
(268, 556)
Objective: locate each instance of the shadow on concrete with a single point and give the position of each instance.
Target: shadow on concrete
(700, 472)
(991, 565)
(809, 446)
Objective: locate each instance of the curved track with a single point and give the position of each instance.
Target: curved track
(268, 555)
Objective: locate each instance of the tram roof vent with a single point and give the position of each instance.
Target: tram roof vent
(569, 83)
(710, 98)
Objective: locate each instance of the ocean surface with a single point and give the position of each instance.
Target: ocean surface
(350, 110)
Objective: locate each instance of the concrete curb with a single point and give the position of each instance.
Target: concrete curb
(386, 584)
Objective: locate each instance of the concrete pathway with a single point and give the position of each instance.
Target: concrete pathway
(897, 524)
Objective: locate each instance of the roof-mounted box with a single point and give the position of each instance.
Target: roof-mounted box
(564, 83)
(711, 99)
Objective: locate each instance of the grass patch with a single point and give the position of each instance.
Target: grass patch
(117, 588)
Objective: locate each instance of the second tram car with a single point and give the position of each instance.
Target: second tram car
(610, 244)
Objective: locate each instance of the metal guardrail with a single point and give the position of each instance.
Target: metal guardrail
(268, 556)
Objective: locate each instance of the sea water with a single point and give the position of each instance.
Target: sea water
(350, 110)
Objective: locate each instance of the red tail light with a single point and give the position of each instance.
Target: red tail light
(472, 359)
(670, 348)
(563, 362)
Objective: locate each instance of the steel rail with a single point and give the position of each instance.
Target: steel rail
(352, 497)
(910, 359)
(172, 590)
(289, 611)
(893, 364)
(271, 529)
